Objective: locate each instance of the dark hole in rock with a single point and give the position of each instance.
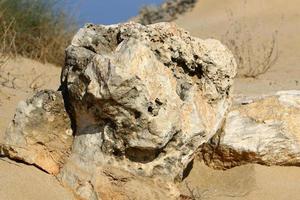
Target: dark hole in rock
(137, 114)
(141, 155)
(191, 70)
(158, 102)
(187, 170)
(119, 38)
(117, 153)
(110, 123)
(150, 109)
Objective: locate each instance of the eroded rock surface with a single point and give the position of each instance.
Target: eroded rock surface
(264, 130)
(168, 11)
(40, 133)
(143, 99)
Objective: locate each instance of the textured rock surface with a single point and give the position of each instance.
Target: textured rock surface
(107, 182)
(144, 98)
(40, 133)
(166, 12)
(264, 130)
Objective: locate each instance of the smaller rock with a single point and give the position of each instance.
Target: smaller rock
(40, 133)
(166, 12)
(263, 130)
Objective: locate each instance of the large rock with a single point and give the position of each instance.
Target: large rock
(143, 99)
(264, 130)
(40, 133)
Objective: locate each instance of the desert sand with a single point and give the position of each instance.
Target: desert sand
(209, 19)
(248, 182)
(23, 182)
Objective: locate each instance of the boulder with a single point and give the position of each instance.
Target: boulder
(40, 133)
(143, 98)
(263, 130)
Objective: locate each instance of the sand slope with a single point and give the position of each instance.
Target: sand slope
(22, 182)
(248, 182)
(211, 19)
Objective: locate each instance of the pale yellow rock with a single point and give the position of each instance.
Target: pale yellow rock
(143, 99)
(39, 134)
(264, 130)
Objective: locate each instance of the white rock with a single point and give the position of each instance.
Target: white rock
(39, 134)
(264, 130)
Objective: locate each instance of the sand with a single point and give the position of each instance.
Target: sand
(23, 182)
(248, 182)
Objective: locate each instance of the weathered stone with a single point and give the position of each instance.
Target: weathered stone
(166, 12)
(264, 130)
(143, 98)
(40, 133)
(108, 183)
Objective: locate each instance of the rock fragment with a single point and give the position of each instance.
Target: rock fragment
(263, 130)
(40, 133)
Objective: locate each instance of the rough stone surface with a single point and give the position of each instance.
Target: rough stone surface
(144, 98)
(264, 130)
(166, 12)
(40, 133)
(107, 182)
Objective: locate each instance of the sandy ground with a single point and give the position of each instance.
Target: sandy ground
(210, 19)
(248, 182)
(23, 182)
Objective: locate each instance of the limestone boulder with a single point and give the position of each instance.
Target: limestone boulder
(264, 130)
(40, 133)
(144, 98)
